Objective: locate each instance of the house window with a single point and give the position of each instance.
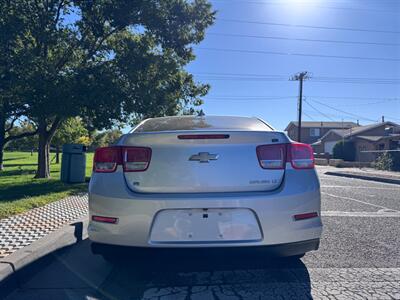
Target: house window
(315, 132)
(381, 147)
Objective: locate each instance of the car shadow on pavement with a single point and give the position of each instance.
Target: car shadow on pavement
(206, 274)
(231, 273)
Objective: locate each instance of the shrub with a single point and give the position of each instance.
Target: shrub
(344, 150)
(389, 161)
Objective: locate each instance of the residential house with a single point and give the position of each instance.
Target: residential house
(311, 132)
(367, 140)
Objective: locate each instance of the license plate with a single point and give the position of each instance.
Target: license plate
(205, 226)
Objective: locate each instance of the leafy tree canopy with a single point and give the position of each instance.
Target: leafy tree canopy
(104, 60)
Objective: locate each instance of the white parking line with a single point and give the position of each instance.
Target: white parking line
(361, 187)
(356, 200)
(365, 214)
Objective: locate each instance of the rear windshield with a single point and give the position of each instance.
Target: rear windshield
(208, 123)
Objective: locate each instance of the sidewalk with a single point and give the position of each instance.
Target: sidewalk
(22, 230)
(364, 173)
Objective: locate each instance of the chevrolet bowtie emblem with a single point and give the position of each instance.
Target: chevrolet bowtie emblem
(203, 157)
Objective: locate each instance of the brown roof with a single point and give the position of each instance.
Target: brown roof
(355, 131)
(377, 138)
(358, 130)
(370, 138)
(319, 124)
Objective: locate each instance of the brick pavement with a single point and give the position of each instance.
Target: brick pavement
(21, 230)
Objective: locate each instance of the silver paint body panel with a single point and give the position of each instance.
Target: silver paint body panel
(263, 211)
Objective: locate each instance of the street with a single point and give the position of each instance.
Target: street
(359, 257)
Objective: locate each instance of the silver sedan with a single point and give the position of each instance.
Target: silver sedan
(209, 181)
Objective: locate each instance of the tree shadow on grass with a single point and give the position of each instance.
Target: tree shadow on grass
(13, 158)
(19, 165)
(17, 172)
(38, 188)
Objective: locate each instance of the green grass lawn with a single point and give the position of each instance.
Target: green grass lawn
(19, 191)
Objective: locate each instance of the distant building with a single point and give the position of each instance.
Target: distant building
(311, 132)
(373, 137)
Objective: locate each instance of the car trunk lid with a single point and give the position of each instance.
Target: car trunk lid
(203, 162)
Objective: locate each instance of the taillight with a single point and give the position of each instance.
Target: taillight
(136, 159)
(133, 159)
(272, 156)
(107, 159)
(301, 156)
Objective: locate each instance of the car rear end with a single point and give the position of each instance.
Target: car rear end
(206, 182)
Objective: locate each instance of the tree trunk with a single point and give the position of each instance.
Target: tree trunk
(45, 136)
(1, 156)
(43, 169)
(57, 154)
(2, 138)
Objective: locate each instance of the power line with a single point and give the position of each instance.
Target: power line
(307, 115)
(311, 5)
(301, 39)
(355, 98)
(336, 117)
(307, 26)
(298, 54)
(245, 99)
(370, 103)
(255, 79)
(344, 112)
(318, 111)
(334, 80)
(278, 76)
(388, 99)
(267, 76)
(357, 80)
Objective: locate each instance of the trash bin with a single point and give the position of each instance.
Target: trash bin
(73, 163)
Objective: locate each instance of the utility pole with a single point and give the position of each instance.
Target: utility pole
(300, 77)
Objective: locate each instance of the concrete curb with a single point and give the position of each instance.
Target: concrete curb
(364, 177)
(65, 236)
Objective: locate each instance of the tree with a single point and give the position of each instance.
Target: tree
(12, 59)
(388, 161)
(70, 131)
(105, 138)
(26, 143)
(344, 150)
(80, 52)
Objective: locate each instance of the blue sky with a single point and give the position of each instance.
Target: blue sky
(275, 101)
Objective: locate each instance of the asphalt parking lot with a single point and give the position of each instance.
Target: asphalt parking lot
(359, 258)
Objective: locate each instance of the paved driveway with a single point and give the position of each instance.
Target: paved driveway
(359, 258)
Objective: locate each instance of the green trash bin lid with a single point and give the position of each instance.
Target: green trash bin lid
(74, 148)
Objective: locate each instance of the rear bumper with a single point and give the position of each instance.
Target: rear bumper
(280, 250)
(299, 194)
